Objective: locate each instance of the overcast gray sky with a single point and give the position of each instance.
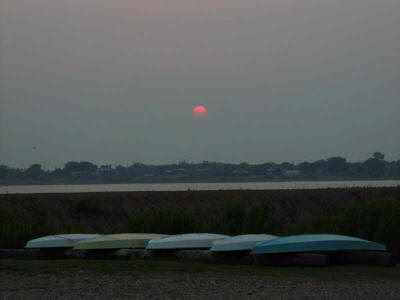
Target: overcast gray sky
(116, 81)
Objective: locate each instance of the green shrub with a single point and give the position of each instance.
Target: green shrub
(259, 219)
(377, 221)
(232, 218)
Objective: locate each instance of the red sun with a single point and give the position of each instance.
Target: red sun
(199, 111)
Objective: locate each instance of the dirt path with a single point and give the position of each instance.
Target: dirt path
(90, 285)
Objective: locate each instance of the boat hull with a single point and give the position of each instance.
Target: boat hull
(118, 241)
(58, 241)
(241, 242)
(316, 243)
(186, 241)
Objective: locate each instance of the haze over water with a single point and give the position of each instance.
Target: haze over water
(287, 185)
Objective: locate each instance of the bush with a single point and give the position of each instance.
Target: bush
(259, 219)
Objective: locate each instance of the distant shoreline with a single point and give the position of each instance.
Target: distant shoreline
(195, 186)
(210, 180)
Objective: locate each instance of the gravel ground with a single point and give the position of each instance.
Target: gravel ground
(91, 285)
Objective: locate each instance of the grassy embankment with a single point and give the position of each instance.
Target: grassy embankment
(373, 214)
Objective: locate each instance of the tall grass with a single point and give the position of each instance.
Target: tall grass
(165, 220)
(377, 220)
(89, 206)
(15, 231)
(237, 217)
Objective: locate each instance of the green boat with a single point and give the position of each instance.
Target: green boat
(118, 241)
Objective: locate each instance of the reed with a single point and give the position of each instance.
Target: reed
(15, 231)
(164, 220)
(376, 220)
(237, 217)
(373, 214)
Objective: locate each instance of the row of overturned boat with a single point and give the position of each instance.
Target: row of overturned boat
(306, 249)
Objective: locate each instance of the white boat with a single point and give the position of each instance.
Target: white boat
(244, 242)
(59, 240)
(186, 241)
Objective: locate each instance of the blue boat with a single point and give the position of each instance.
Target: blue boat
(316, 243)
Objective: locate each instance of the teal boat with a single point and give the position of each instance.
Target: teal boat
(320, 243)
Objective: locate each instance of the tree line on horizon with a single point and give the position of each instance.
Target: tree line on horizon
(332, 168)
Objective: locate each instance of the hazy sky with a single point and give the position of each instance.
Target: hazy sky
(116, 81)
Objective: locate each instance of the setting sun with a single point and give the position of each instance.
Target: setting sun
(199, 111)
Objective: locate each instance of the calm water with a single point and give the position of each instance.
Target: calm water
(24, 189)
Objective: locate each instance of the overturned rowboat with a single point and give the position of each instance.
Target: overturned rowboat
(186, 241)
(118, 241)
(244, 242)
(236, 249)
(321, 243)
(58, 241)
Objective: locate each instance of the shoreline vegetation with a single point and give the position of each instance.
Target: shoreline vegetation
(369, 213)
(259, 179)
(330, 169)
